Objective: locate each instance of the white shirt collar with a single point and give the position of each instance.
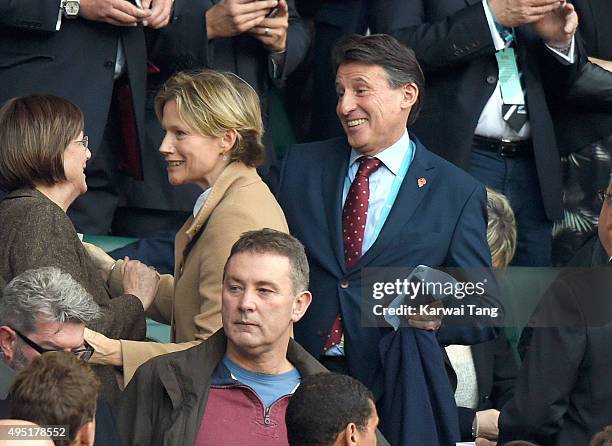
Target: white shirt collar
(200, 202)
(391, 157)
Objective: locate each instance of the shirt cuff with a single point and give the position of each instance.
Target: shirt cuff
(58, 24)
(277, 63)
(566, 54)
(498, 41)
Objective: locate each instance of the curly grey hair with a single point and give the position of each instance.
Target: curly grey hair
(45, 294)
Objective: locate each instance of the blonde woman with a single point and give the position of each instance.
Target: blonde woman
(213, 139)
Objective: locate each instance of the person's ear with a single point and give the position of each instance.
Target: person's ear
(350, 435)
(410, 95)
(228, 140)
(86, 434)
(7, 342)
(300, 305)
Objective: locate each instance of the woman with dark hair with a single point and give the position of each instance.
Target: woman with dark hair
(213, 139)
(43, 153)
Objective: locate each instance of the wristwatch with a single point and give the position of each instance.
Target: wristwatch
(70, 8)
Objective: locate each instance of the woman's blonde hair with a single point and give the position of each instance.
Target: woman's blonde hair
(501, 229)
(211, 102)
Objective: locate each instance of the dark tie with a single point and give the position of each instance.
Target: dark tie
(354, 215)
(516, 115)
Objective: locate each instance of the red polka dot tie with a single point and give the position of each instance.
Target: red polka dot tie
(354, 216)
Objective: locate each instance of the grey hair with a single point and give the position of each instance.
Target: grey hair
(45, 294)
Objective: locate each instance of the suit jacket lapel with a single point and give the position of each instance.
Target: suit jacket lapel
(333, 175)
(406, 202)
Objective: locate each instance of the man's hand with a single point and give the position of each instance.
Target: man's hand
(228, 18)
(160, 13)
(272, 32)
(510, 13)
(559, 26)
(115, 12)
(487, 424)
(425, 321)
(484, 442)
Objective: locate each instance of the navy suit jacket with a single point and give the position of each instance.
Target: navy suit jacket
(442, 223)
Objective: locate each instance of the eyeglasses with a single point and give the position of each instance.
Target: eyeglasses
(84, 353)
(84, 142)
(605, 196)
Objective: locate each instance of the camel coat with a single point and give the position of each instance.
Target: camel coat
(190, 301)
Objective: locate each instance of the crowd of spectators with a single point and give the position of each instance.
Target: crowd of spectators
(434, 143)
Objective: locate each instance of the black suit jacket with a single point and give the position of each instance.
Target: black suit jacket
(563, 394)
(453, 43)
(77, 62)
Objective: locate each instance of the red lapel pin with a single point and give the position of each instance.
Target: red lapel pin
(421, 182)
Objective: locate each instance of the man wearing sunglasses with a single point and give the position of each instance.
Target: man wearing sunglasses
(45, 310)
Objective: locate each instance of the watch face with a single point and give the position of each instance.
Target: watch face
(71, 8)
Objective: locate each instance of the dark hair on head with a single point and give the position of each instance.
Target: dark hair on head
(603, 438)
(267, 240)
(323, 405)
(398, 61)
(34, 133)
(56, 389)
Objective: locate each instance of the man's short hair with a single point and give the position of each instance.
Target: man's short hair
(323, 405)
(501, 229)
(34, 134)
(398, 61)
(56, 389)
(45, 294)
(264, 241)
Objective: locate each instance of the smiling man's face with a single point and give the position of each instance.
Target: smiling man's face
(372, 113)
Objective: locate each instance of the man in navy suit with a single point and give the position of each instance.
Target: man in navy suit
(419, 209)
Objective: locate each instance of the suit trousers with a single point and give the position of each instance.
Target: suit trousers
(516, 178)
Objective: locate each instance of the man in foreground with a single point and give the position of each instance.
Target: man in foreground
(377, 198)
(245, 372)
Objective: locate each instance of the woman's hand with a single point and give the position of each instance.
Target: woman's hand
(100, 258)
(140, 280)
(107, 351)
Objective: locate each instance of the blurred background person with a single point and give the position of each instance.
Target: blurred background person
(43, 154)
(213, 140)
(57, 389)
(585, 139)
(486, 372)
(331, 409)
(44, 310)
(260, 41)
(91, 52)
